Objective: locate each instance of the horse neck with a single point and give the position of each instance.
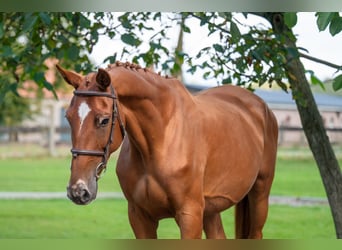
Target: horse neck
(149, 104)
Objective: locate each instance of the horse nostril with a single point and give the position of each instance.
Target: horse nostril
(79, 194)
(85, 195)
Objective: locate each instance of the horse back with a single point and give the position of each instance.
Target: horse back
(231, 106)
(232, 96)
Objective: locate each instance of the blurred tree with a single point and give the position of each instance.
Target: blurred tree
(28, 39)
(13, 109)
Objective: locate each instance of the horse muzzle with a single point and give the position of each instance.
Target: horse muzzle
(80, 194)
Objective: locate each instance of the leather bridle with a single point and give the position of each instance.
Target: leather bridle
(115, 115)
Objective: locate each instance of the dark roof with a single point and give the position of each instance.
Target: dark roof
(278, 98)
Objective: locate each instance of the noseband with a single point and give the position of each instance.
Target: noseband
(115, 115)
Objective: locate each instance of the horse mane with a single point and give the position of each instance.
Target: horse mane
(134, 67)
(151, 76)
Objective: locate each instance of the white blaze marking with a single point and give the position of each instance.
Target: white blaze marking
(80, 182)
(83, 111)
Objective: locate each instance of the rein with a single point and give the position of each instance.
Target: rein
(115, 115)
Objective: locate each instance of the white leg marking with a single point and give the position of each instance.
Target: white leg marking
(83, 111)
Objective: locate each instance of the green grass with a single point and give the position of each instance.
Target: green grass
(46, 175)
(63, 219)
(286, 222)
(297, 177)
(294, 177)
(106, 219)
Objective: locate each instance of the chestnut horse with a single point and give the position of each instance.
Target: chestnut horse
(184, 156)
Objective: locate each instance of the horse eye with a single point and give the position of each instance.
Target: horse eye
(103, 121)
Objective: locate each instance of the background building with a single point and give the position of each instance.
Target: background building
(285, 110)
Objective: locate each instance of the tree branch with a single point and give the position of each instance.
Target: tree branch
(212, 23)
(332, 65)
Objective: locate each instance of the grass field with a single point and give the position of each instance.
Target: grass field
(45, 175)
(108, 218)
(294, 177)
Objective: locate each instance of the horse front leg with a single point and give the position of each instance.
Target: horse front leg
(144, 227)
(213, 228)
(190, 220)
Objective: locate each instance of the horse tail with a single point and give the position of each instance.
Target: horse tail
(242, 219)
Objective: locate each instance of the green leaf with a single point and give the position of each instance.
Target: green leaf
(125, 21)
(225, 15)
(130, 39)
(51, 44)
(45, 18)
(111, 34)
(227, 80)
(39, 78)
(111, 59)
(156, 16)
(218, 48)
(186, 29)
(1, 30)
(154, 45)
(179, 56)
(30, 21)
(256, 55)
(84, 22)
(290, 19)
(316, 81)
(257, 66)
(337, 83)
(176, 68)
(94, 36)
(335, 25)
(204, 20)
(6, 88)
(235, 32)
(6, 51)
(165, 66)
(282, 85)
(323, 19)
(206, 75)
(73, 52)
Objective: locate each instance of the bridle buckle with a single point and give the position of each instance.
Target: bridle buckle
(101, 168)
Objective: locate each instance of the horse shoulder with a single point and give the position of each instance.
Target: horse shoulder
(128, 167)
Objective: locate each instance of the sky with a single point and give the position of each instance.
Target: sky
(319, 44)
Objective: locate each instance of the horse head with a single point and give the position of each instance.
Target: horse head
(97, 130)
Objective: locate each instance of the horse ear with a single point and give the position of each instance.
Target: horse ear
(103, 79)
(70, 77)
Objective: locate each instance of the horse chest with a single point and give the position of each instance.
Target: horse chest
(149, 194)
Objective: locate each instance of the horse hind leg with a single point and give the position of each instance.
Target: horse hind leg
(212, 225)
(258, 208)
(259, 195)
(251, 212)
